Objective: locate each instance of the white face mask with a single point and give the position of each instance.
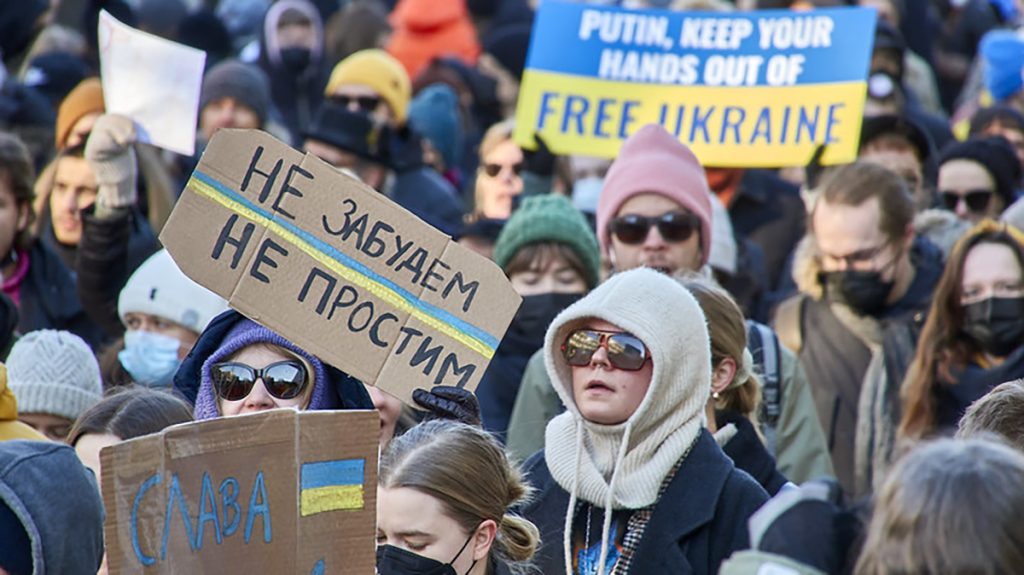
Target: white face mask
(585, 193)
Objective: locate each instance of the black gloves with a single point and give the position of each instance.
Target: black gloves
(447, 402)
(540, 161)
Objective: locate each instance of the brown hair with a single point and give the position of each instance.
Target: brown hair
(854, 184)
(18, 173)
(951, 506)
(943, 347)
(467, 470)
(728, 331)
(131, 412)
(534, 257)
(1000, 411)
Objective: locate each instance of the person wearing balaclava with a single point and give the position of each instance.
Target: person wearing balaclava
(550, 256)
(630, 481)
(163, 312)
(291, 53)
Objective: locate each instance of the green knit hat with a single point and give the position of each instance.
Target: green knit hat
(550, 218)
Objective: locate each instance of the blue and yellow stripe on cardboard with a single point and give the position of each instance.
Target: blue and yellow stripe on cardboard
(347, 267)
(335, 485)
(750, 126)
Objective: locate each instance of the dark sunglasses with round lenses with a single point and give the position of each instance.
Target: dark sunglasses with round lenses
(625, 351)
(977, 200)
(234, 381)
(364, 103)
(674, 227)
(492, 170)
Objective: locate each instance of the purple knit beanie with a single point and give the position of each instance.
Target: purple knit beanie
(245, 333)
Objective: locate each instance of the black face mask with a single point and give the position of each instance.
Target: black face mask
(996, 324)
(295, 59)
(393, 560)
(538, 311)
(862, 291)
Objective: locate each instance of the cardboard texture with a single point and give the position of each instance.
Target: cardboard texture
(280, 491)
(337, 267)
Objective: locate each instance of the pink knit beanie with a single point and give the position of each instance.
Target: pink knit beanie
(652, 160)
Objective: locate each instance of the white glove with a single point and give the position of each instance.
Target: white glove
(110, 153)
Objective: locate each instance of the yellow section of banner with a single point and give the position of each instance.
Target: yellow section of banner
(756, 126)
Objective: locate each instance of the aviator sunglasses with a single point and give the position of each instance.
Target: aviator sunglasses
(234, 381)
(977, 200)
(625, 351)
(674, 227)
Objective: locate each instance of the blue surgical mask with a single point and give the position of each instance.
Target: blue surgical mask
(150, 358)
(585, 193)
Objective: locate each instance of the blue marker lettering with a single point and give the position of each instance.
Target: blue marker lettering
(261, 508)
(207, 513)
(229, 502)
(174, 493)
(146, 560)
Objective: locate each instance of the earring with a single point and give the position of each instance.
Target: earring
(715, 395)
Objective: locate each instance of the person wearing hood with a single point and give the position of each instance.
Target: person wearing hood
(550, 256)
(239, 366)
(291, 53)
(978, 178)
(51, 512)
(434, 114)
(630, 480)
(161, 313)
(426, 29)
(864, 275)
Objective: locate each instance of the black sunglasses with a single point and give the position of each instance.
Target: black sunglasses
(234, 381)
(625, 351)
(492, 170)
(977, 200)
(674, 227)
(364, 103)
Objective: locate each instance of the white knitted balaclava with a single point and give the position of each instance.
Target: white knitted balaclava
(623, 466)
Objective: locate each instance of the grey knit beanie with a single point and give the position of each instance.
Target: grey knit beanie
(244, 82)
(54, 372)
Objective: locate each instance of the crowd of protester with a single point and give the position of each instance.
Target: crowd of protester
(811, 369)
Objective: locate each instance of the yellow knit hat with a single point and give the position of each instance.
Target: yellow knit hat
(378, 70)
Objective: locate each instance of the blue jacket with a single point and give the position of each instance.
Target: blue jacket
(349, 392)
(698, 522)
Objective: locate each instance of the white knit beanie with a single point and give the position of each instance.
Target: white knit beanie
(53, 372)
(158, 287)
(723, 242)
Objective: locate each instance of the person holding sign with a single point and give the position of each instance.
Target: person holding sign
(444, 492)
(629, 479)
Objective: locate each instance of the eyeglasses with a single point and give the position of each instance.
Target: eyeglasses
(674, 227)
(364, 103)
(625, 351)
(492, 170)
(977, 200)
(283, 380)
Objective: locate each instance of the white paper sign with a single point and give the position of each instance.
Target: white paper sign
(153, 81)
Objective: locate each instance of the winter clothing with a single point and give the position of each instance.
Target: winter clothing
(998, 158)
(57, 501)
(836, 345)
(55, 74)
(434, 114)
(245, 83)
(158, 287)
(549, 218)
(54, 372)
(10, 427)
(738, 439)
(423, 191)
(723, 242)
(625, 466)
(85, 99)
(652, 160)
(800, 447)
(426, 29)
(352, 132)
(380, 71)
(509, 45)
(112, 158)
(232, 331)
(1002, 53)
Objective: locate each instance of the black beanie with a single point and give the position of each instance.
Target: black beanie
(15, 547)
(996, 155)
(509, 45)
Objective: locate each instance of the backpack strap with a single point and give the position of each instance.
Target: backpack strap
(765, 348)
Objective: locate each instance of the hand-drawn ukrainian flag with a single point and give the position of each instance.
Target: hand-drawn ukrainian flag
(331, 486)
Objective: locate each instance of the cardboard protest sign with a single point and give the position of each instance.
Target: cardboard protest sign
(337, 267)
(279, 491)
(755, 89)
(153, 81)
